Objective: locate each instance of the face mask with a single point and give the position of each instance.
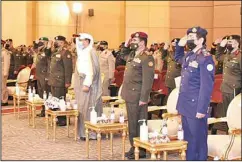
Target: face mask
(40, 44)
(56, 45)
(134, 46)
(190, 44)
(230, 47)
(152, 50)
(101, 48)
(7, 46)
(22, 49)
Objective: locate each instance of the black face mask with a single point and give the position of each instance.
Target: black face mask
(56, 45)
(134, 46)
(229, 47)
(152, 50)
(22, 49)
(190, 44)
(101, 48)
(7, 46)
(40, 44)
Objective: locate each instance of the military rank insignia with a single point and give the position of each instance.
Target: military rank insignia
(194, 30)
(151, 64)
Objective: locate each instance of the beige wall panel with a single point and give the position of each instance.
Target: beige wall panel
(137, 16)
(14, 22)
(227, 16)
(137, 3)
(191, 3)
(221, 32)
(158, 35)
(159, 16)
(185, 17)
(216, 3)
(159, 3)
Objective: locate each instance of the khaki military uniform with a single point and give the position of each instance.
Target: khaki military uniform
(107, 67)
(42, 63)
(74, 58)
(19, 60)
(173, 71)
(137, 84)
(5, 70)
(158, 60)
(29, 59)
(60, 72)
(11, 75)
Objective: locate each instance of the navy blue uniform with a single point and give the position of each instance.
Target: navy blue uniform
(194, 97)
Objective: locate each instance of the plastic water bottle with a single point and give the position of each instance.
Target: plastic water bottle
(112, 115)
(44, 95)
(180, 133)
(164, 130)
(50, 95)
(121, 117)
(34, 91)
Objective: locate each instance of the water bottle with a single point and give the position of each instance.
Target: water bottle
(121, 117)
(29, 94)
(50, 96)
(112, 115)
(180, 133)
(44, 95)
(164, 130)
(34, 91)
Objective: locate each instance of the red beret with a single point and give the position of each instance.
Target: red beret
(75, 35)
(140, 35)
(2, 41)
(132, 35)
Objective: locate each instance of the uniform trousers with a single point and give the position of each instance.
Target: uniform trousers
(135, 113)
(43, 86)
(4, 90)
(59, 92)
(196, 134)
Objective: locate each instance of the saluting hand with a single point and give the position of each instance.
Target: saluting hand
(166, 46)
(199, 115)
(49, 45)
(183, 41)
(224, 42)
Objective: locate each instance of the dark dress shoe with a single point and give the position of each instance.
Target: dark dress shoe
(4, 104)
(130, 152)
(132, 157)
(41, 115)
(83, 138)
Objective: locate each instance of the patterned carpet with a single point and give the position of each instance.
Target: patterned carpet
(21, 142)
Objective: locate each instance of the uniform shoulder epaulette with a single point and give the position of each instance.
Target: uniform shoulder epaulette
(205, 52)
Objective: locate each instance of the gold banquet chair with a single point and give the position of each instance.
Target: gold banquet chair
(71, 93)
(227, 147)
(172, 116)
(22, 81)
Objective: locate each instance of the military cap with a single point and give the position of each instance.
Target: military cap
(44, 39)
(104, 43)
(22, 45)
(237, 37)
(225, 37)
(140, 35)
(198, 30)
(61, 38)
(175, 40)
(9, 40)
(75, 35)
(132, 35)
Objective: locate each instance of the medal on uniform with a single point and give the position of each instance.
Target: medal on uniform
(193, 64)
(150, 63)
(209, 67)
(137, 60)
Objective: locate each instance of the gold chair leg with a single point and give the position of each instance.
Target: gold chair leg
(87, 142)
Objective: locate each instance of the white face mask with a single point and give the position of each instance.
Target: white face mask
(80, 45)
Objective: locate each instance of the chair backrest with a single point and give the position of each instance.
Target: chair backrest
(120, 89)
(120, 68)
(218, 76)
(217, 94)
(23, 75)
(234, 113)
(172, 101)
(119, 78)
(157, 82)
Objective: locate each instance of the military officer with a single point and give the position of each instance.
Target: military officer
(5, 70)
(195, 91)
(107, 66)
(137, 84)
(231, 85)
(120, 61)
(29, 57)
(173, 67)
(12, 51)
(157, 57)
(42, 67)
(60, 72)
(19, 58)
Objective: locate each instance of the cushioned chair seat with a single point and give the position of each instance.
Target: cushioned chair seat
(217, 145)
